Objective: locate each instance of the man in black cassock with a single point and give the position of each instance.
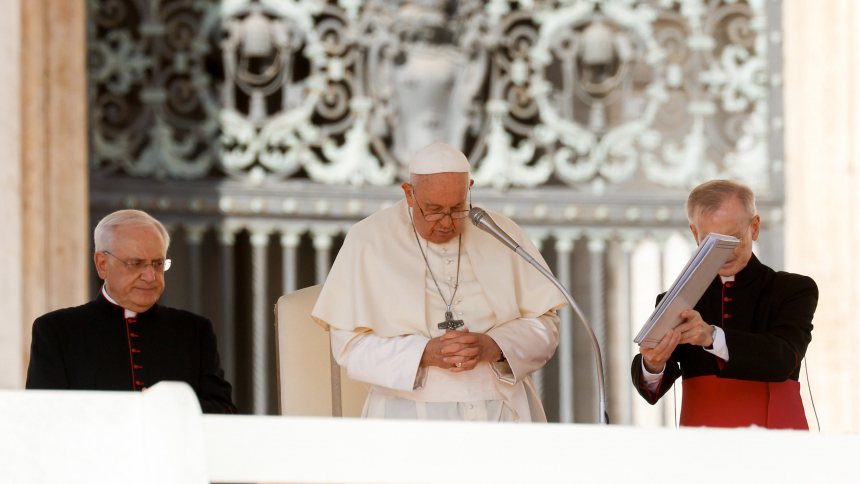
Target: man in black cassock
(124, 340)
(739, 350)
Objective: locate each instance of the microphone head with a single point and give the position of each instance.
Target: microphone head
(485, 222)
(476, 215)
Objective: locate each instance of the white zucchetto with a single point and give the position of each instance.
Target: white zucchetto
(439, 158)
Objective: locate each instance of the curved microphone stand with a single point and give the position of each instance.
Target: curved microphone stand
(483, 221)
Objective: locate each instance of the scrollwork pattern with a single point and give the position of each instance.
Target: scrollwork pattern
(621, 93)
(153, 105)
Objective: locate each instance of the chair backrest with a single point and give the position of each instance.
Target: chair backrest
(310, 382)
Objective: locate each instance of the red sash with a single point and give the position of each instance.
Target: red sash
(709, 401)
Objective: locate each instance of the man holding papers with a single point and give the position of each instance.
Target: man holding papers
(739, 349)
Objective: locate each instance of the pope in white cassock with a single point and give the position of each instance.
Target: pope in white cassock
(439, 317)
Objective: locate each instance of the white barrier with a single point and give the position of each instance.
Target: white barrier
(160, 437)
(318, 450)
(154, 437)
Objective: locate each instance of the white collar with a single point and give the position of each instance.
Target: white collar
(727, 279)
(128, 313)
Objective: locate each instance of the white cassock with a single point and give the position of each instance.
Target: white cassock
(382, 308)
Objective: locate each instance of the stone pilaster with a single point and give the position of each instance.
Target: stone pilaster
(43, 133)
(822, 76)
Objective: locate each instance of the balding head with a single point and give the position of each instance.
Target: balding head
(711, 196)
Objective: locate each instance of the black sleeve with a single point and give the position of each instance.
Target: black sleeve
(670, 374)
(774, 355)
(214, 392)
(47, 370)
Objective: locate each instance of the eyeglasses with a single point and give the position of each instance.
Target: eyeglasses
(435, 217)
(158, 266)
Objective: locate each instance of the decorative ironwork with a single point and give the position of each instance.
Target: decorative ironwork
(153, 108)
(596, 93)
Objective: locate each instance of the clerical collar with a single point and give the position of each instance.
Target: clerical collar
(128, 313)
(728, 279)
(747, 275)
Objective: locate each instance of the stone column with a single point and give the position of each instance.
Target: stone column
(644, 287)
(564, 247)
(537, 237)
(322, 237)
(822, 150)
(45, 248)
(227, 242)
(666, 405)
(194, 236)
(596, 249)
(597, 318)
(260, 320)
(620, 338)
(290, 240)
(12, 327)
(322, 245)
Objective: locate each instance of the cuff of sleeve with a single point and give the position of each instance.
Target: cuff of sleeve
(651, 377)
(417, 341)
(420, 378)
(719, 347)
(503, 372)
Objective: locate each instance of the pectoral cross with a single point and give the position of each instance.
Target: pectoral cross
(450, 322)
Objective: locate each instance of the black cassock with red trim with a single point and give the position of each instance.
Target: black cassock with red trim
(767, 319)
(94, 347)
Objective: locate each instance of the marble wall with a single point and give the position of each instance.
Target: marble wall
(11, 362)
(822, 69)
(43, 172)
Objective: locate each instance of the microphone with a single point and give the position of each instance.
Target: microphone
(481, 219)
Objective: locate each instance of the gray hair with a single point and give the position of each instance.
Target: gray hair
(710, 196)
(103, 235)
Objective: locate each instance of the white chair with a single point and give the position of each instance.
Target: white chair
(310, 382)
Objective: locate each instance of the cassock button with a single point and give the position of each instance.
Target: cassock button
(444, 249)
(450, 277)
(727, 299)
(727, 316)
(138, 383)
(447, 261)
(460, 313)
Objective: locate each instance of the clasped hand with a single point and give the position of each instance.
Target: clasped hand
(692, 331)
(467, 349)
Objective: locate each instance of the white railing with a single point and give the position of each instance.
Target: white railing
(160, 437)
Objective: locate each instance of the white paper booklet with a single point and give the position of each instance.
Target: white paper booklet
(688, 288)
